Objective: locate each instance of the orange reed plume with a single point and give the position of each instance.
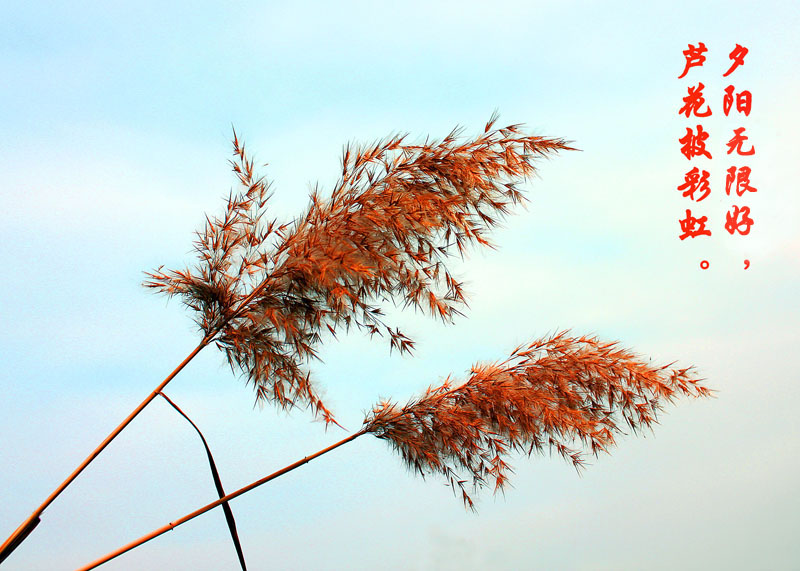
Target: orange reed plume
(554, 393)
(266, 291)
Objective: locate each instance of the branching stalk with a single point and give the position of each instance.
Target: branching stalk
(172, 525)
(264, 293)
(555, 392)
(27, 526)
(17, 537)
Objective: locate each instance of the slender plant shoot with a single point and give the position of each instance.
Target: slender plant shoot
(565, 393)
(264, 292)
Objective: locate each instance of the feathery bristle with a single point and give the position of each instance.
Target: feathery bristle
(265, 292)
(568, 394)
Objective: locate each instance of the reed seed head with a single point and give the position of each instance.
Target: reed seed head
(266, 292)
(563, 393)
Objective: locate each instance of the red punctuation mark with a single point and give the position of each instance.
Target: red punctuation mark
(746, 264)
(704, 264)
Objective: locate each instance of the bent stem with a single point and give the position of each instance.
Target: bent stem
(223, 500)
(231, 521)
(22, 532)
(394, 216)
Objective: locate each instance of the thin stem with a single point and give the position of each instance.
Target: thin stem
(16, 538)
(217, 484)
(172, 525)
(22, 532)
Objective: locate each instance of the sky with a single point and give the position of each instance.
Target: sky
(116, 121)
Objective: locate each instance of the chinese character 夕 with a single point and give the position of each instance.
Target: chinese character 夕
(695, 182)
(735, 144)
(744, 101)
(693, 227)
(733, 222)
(737, 57)
(693, 101)
(742, 180)
(694, 57)
(694, 145)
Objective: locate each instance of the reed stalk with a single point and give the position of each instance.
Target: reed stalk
(223, 500)
(264, 293)
(566, 393)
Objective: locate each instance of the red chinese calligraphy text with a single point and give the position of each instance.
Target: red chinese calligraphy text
(736, 142)
(737, 220)
(694, 57)
(737, 57)
(694, 101)
(696, 182)
(694, 145)
(744, 101)
(692, 227)
(741, 178)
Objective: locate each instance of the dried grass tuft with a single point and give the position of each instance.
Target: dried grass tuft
(562, 393)
(264, 292)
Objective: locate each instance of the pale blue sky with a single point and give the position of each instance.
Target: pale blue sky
(115, 131)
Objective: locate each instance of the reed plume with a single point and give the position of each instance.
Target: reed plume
(266, 292)
(558, 392)
(563, 393)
